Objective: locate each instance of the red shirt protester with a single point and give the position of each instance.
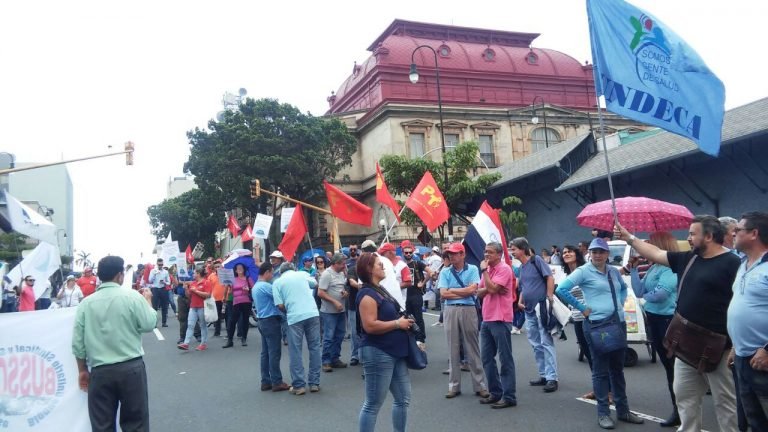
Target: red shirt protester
(87, 282)
(27, 297)
(195, 300)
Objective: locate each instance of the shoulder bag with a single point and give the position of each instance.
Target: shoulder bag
(608, 334)
(478, 304)
(695, 345)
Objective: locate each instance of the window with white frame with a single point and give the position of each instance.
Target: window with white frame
(451, 140)
(486, 149)
(416, 145)
(542, 137)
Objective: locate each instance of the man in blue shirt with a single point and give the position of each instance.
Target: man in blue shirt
(269, 326)
(292, 294)
(537, 286)
(458, 286)
(748, 319)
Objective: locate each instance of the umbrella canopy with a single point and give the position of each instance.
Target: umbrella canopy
(247, 261)
(636, 214)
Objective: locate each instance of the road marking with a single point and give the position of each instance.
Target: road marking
(639, 414)
(158, 334)
(430, 314)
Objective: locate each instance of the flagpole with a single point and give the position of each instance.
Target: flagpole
(386, 234)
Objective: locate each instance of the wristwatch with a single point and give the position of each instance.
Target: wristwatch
(631, 239)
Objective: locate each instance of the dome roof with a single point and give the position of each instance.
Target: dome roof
(461, 52)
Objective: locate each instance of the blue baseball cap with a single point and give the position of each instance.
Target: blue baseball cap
(599, 243)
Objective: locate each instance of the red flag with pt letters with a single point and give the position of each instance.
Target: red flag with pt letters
(428, 203)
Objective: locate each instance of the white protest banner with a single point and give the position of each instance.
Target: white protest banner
(226, 276)
(261, 226)
(38, 374)
(181, 263)
(26, 221)
(41, 263)
(169, 253)
(285, 218)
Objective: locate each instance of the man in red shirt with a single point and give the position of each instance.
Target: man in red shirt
(87, 282)
(27, 295)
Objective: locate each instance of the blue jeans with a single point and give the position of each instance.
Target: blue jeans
(195, 315)
(384, 372)
(309, 328)
(171, 301)
(271, 350)
(9, 305)
(543, 346)
(608, 375)
(519, 320)
(753, 389)
(334, 327)
(354, 338)
(495, 338)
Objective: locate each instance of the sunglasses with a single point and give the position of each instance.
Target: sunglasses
(29, 280)
(407, 253)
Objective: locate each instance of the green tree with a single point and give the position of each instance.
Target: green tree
(403, 174)
(83, 259)
(512, 218)
(276, 143)
(11, 245)
(191, 217)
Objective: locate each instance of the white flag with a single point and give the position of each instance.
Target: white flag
(169, 238)
(26, 221)
(41, 263)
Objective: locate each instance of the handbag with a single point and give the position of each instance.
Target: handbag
(609, 334)
(209, 309)
(416, 358)
(695, 345)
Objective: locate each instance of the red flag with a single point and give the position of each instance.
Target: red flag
(232, 226)
(347, 208)
(294, 234)
(383, 196)
(247, 234)
(428, 203)
(188, 253)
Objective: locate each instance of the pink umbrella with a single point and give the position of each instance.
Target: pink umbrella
(636, 214)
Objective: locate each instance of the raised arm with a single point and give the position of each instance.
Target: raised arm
(646, 250)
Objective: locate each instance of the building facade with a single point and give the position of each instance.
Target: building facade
(495, 89)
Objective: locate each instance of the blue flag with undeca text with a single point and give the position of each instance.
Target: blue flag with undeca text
(649, 74)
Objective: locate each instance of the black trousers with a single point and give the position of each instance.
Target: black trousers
(578, 327)
(160, 300)
(124, 384)
(413, 304)
(658, 324)
(239, 317)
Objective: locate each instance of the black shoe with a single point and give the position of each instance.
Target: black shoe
(550, 386)
(538, 382)
(229, 344)
(672, 421)
(503, 404)
(354, 362)
(630, 418)
(165, 325)
(181, 340)
(489, 400)
(244, 343)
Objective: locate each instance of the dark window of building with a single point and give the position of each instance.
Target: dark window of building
(532, 58)
(444, 51)
(489, 54)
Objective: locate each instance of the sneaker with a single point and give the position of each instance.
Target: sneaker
(202, 347)
(297, 391)
(550, 386)
(165, 325)
(630, 418)
(464, 367)
(314, 388)
(338, 364)
(606, 422)
(180, 341)
(354, 362)
(183, 346)
(515, 331)
(437, 324)
(280, 387)
(327, 368)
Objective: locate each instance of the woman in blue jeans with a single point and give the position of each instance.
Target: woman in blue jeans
(383, 347)
(603, 299)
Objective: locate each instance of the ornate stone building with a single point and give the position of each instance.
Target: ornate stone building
(496, 89)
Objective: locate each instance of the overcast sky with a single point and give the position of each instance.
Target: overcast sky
(78, 76)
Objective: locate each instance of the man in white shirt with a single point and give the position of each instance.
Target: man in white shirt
(389, 283)
(158, 280)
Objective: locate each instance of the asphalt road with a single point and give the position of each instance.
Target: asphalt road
(218, 390)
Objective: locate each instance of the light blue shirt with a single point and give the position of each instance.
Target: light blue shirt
(658, 288)
(597, 291)
(159, 278)
(748, 311)
(294, 291)
(469, 275)
(265, 303)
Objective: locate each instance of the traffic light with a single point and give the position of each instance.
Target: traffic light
(129, 153)
(255, 188)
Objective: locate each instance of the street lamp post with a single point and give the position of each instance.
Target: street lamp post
(535, 119)
(413, 75)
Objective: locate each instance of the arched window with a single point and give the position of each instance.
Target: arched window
(543, 137)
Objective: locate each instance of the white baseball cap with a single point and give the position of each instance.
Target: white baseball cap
(276, 254)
